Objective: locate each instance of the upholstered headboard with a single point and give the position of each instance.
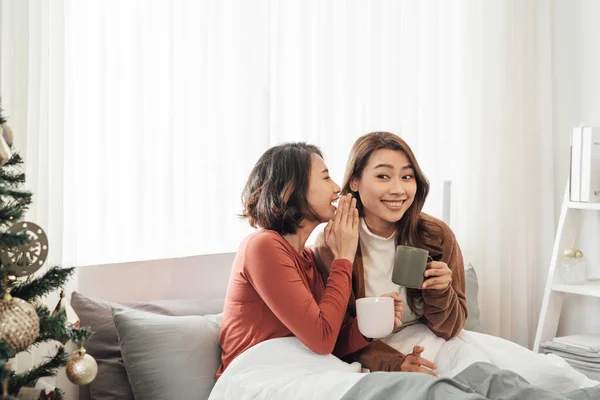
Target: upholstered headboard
(175, 278)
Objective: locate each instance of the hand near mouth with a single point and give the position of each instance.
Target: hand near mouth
(341, 233)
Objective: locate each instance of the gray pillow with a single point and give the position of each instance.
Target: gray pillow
(169, 357)
(472, 290)
(111, 382)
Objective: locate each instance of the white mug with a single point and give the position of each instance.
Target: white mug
(375, 316)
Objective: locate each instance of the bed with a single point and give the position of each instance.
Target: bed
(156, 327)
(177, 294)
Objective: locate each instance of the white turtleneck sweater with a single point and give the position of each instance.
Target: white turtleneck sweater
(378, 255)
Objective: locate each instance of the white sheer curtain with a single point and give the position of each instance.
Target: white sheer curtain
(469, 85)
(140, 120)
(503, 148)
(169, 111)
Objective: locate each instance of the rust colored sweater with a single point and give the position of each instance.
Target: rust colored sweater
(444, 311)
(276, 292)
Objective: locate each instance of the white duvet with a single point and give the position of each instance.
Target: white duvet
(451, 357)
(285, 369)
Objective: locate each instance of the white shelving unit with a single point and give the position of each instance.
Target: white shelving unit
(554, 293)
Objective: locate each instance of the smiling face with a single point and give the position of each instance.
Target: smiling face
(387, 188)
(322, 190)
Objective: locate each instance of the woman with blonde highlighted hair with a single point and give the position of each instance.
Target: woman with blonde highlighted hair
(390, 188)
(384, 176)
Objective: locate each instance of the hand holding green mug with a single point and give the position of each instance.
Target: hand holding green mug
(414, 268)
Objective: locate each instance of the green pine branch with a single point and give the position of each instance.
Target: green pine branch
(35, 288)
(22, 197)
(5, 355)
(11, 178)
(2, 120)
(80, 335)
(5, 350)
(8, 239)
(42, 370)
(52, 327)
(56, 327)
(14, 161)
(12, 211)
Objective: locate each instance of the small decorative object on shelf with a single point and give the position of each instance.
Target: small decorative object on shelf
(573, 267)
(82, 368)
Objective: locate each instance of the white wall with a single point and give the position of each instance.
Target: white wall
(577, 100)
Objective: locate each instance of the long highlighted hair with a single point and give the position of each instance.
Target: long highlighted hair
(414, 228)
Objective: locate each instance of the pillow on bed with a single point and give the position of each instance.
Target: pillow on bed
(472, 291)
(169, 357)
(111, 381)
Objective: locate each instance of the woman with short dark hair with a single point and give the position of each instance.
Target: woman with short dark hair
(275, 289)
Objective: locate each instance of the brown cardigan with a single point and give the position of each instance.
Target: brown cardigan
(444, 311)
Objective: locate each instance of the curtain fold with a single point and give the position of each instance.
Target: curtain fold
(505, 161)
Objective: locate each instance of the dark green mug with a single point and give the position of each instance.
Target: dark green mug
(409, 266)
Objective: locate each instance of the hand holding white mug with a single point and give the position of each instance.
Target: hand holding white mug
(398, 308)
(341, 233)
(375, 316)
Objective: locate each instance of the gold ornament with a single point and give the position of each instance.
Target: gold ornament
(5, 150)
(7, 134)
(81, 368)
(25, 260)
(19, 323)
(72, 318)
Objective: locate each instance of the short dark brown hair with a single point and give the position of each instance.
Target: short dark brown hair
(275, 194)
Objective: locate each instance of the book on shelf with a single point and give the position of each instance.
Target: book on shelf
(581, 351)
(575, 167)
(584, 341)
(590, 165)
(591, 359)
(566, 349)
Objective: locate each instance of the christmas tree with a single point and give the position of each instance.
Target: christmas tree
(25, 321)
